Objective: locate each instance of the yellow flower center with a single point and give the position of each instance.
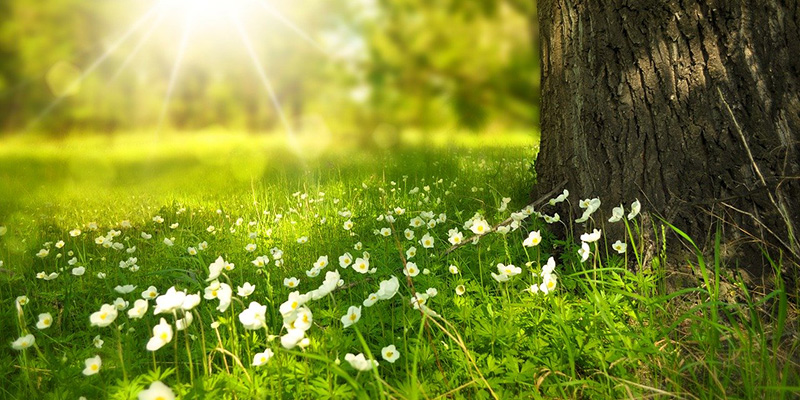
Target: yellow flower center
(214, 293)
(291, 284)
(46, 321)
(550, 285)
(94, 367)
(353, 317)
(389, 354)
(305, 318)
(164, 336)
(103, 316)
(294, 305)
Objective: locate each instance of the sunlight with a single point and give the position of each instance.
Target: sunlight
(173, 77)
(263, 76)
(73, 86)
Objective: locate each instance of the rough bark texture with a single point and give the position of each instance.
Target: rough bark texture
(691, 106)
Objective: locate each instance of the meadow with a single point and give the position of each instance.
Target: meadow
(247, 266)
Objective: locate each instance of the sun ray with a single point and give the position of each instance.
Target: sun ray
(291, 25)
(139, 45)
(263, 76)
(173, 76)
(99, 61)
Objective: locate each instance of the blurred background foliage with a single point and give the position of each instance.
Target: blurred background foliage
(362, 67)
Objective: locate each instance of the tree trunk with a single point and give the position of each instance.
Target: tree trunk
(691, 106)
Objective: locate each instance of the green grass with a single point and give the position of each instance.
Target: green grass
(610, 329)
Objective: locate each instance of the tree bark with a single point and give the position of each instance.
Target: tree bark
(691, 106)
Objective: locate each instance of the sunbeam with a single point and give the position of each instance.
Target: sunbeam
(262, 75)
(135, 51)
(99, 61)
(173, 76)
(291, 25)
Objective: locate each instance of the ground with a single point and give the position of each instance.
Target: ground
(207, 213)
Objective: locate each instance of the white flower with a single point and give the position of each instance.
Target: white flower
(124, 289)
(431, 292)
(245, 290)
(345, 260)
(150, 293)
(157, 391)
(352, 316)
(533, 239)
(254, 316)
(386, 232)
(162, 334)
(292, 338)
(169, 241)
(224, 295)
(43, 253)
(616, 214)
(563, 196)
(548, 268)
(551, 220)
(411, 269)
(260, 261)
(120, 303)
(500, 277)
(302, 239)
(98, 342)
(370, 300)
(251, 247)
(453, 269)
(184, 322)
(548, 283)
(21, 300)
(347, 225)
(321, 262)
(480, 226)
(388, 288)
(301, 320)
(138, 310)
(460, 290)
(359, 362)
(390, 353)
(170, 301)
(215, 268)
(636, 207)
(411, 252)
(23, 342)
(293, 303)
(104, 317)
(427, 241)
(158, 219)
(510, 269)
(619, 247)
(291, 282)
(409, 234)
(455, 237)
(92, 365)
(261, 358)
(78, 271)
(591, 237)
(361, 265)
(75, 232)
(45, 320)
(357, 246)
(584, 251)
(190, 301)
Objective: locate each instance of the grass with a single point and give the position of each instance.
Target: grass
(609, 329)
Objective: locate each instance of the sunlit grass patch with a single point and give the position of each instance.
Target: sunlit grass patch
(414, 273)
